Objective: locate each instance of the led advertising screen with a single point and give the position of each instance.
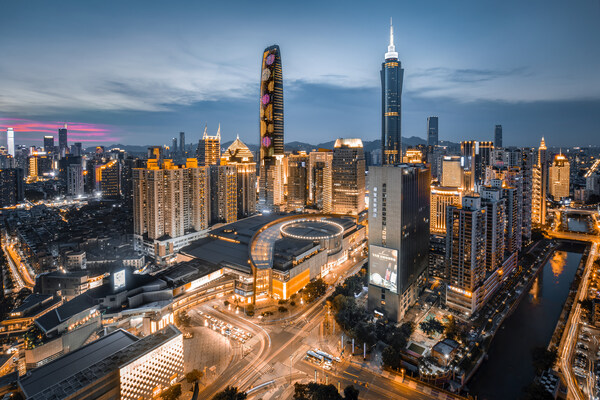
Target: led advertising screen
(119, 280)
(383, 267)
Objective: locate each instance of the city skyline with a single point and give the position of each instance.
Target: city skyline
(544, 86)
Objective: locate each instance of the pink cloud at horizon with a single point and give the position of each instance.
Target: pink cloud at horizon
(77, 131)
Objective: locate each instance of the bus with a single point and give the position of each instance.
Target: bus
(327, 356)
(314, 356)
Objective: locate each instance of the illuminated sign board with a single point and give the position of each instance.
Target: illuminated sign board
(119, 280)
(383, 267)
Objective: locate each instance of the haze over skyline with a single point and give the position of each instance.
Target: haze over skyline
(138, 73)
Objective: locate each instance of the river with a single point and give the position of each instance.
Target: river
(508, 368)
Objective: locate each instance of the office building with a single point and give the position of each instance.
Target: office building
(209, 148)
(320, 169)
(223, 194)
(240, 156)
(392, 77)
(182, 144)
(398, 237)
(412, 156)
(108, 179)
(441, 198)
(49, 145)
(498, 136)
(10, 141)
(271, 131)
(452, 172)
(297, 188)
(559, 179)
(466, 255)
(11, 186)
(432, 131)
(174, 148)
(539, 187)
(63, 147)
(170, 205)
(494, 205)
(75, 180)
(348, 177)
(476, 156)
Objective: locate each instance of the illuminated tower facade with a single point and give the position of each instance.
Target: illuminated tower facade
(559, 177)
(392, 76)
(10, 140)
(348, 177)
(271, 130)
(539, 187)
(239, 155)
(209, 148)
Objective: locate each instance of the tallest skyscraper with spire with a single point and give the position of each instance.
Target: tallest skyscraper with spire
(392, 76)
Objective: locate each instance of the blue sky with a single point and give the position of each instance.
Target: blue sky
(145, 70)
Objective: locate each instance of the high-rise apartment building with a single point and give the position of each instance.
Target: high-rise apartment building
(209, 148)
(559, 177)
(170, 206)
(75, 180)
(398, 236)
(297, 188)
(11, 186)
(348, 177)
(63, 146)
(498, 136)
(495, 218)
(392, 77)
(432, 131)
(223, 194)
(476, 156)
(466, 255)
(182, 144)
(539, 187)
(240, 156)
(108, 179)
(320, 169)
(10, 141)
(271, 131)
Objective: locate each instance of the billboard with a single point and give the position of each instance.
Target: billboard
(383, 267)
(119, 280)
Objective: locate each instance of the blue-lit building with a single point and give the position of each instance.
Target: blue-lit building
(392, 76)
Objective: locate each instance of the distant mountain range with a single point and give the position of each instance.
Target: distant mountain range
(289, 146)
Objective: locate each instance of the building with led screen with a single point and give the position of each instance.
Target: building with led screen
(271, 128)
(392, 76)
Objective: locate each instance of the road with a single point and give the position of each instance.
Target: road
(18, 271)
(569, 341)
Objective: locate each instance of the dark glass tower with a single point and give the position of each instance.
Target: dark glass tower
(271, 128)
(432, 131)
(498, 136)
(63, 147)
(392, 76)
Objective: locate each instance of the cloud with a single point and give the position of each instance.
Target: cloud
(29, 130)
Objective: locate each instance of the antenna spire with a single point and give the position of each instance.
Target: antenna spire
(391, 52)
(205, 134)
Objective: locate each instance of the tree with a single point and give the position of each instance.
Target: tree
(451, 328)
(171, 393)
(543, 359)
(407, 328)
(535, 391)
(194, 375)
(282, 301)
(315, 289)
(432, 325)
(315, 391)
(230, 393)
(282, 309)
(351, 393)
(391, 357)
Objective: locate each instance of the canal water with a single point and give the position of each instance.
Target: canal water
(577, 224)
(508, 369)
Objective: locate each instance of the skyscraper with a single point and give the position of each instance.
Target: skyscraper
(320, 168)
(11, 186)
(223, 194)
(441, 198)
(271, 129)
(170, 207)
(348, 177)
(498, 136)
(466, 255)
(539, 185)
(432, 131)
(10, 141)
(240, 156)
(75, 179)
(209, 148)
(398, 236)
(182, 143)
(63, 147)
(559, 177)
(392, 76)
(49, 144)
(174, 148)
(297, 181)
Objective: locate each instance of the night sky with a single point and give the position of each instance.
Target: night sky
(138, 72)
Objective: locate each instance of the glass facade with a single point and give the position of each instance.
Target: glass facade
(392, 77)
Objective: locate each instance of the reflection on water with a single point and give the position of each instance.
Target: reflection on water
(536, 289)
(558, 262)
(577, 224)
